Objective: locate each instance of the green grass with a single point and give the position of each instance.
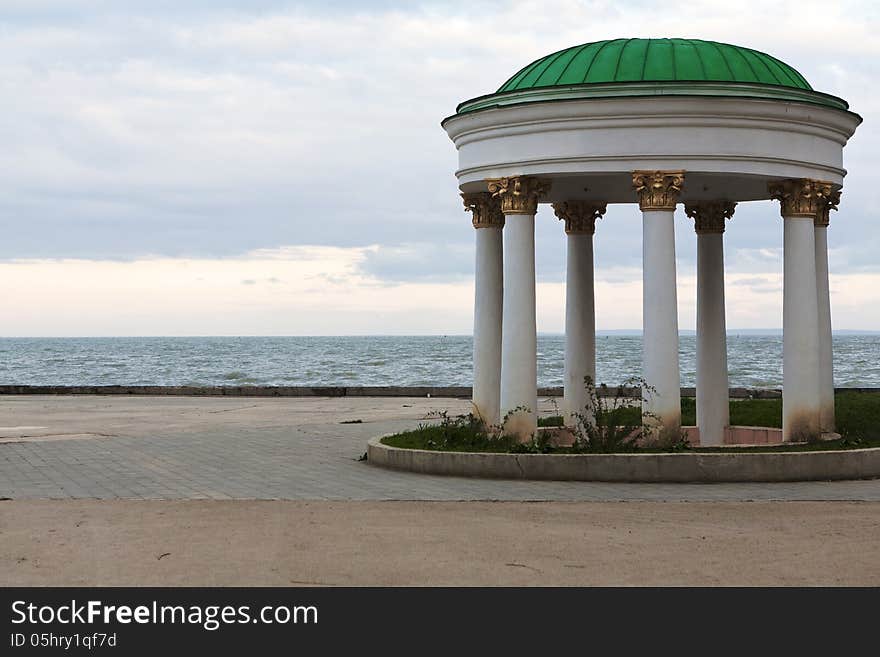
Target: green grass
(432, 437)
(822, 446)
(857, 414)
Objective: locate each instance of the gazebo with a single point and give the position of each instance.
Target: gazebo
(658, 122)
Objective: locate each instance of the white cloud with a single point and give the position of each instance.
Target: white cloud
(160, 132)
(322, 290)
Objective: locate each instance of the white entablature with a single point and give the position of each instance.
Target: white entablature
(728, 146)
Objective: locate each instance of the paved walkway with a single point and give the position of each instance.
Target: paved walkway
(287, 448)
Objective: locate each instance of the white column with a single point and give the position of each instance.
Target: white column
(580, 311)
(800, 316)
(488, 290)
(580, 325)
(713, 403)
(800, 327)
(519, 343)
(826, 354)
(658, 193)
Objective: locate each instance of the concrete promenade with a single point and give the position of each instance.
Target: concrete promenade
(284, 448)
(269, 491)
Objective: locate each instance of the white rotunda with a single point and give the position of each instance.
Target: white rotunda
(656, 122)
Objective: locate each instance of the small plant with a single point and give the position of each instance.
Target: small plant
(807, 436)
(555, 419)
(462, 433)
(458, 430)
(539, 444)
(660, 437)
(673, 440)
(849, 441)
(617, 425)
(613, 426)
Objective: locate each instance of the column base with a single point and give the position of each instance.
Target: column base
(826, 418)
(490, 416)
(521, 424)
(800, 425)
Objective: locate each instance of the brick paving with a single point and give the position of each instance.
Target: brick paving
(281, 457)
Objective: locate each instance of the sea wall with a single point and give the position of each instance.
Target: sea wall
(462, 392)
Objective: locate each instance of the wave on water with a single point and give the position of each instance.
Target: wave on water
(235, 376)
(754, 360)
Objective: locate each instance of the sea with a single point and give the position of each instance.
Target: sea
(754, 360)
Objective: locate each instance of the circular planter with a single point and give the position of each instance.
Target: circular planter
(686, 467)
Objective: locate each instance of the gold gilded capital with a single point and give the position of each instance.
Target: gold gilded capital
(658, 190)
(709, 216)
(486, 210)
(518, 194)
(831, 202)
(579, 216)
(804, 197)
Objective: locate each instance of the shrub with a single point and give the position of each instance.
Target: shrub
(618, 425)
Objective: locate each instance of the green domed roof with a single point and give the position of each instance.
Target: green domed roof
(655, 60)
(654, 67)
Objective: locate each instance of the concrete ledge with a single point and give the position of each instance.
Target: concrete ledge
(458, 392)
(686, 467)
(244, 391)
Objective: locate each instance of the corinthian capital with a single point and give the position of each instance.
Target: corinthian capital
(803, 197)
(823, 216)
(486, 210)
(519, 194)
(579, 216)
(709, 216)
(658, 190)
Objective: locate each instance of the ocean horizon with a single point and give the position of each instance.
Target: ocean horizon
(754, 359)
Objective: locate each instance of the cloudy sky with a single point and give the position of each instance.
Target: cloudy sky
(277, 168)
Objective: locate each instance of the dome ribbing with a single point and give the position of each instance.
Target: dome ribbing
(655, 60)
(630, 68)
